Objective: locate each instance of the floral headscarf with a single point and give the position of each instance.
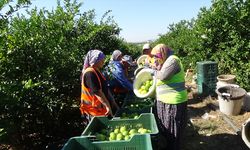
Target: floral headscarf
(92, 57)
(159, 54)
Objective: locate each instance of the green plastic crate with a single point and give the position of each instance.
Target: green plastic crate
(147, 120)
(206, 89)
(208, 79)
(139, 106)
(207, 68)
(137, 142)
(128, 112)
(135, 100)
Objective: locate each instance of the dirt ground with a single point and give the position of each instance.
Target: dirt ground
(207, 127)
(208, 130)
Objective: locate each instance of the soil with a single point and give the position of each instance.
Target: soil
(207, 127)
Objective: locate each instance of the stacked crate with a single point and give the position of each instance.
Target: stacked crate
(207, 72)
(144, 119)
(88, 139)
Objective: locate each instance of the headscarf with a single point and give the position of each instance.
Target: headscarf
(128, 59)
(160, 53)
(92, 57)
(115, 55)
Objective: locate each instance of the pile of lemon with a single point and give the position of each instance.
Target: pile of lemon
(121, 133)
(145, 87)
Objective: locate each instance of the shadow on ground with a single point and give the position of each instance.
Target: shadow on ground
(194, 141)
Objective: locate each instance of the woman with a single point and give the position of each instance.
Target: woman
(118, 72)
(146, 50)
(96, 100)
(171, 95)
(129, 67)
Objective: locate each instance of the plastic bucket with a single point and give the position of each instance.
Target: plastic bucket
(224, 80)
(141, 60)
(245, 132)
(246, 102)
(141, 77)
(138, 70)
(230, 99)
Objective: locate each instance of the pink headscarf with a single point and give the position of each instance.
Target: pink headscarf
(160, 53)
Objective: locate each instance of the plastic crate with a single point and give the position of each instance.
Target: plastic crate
(137, 142)
(139, 106)
(208, 79)
(206, 89)
(129, 112)
(207, 68)
(138, 103)
(147, 120)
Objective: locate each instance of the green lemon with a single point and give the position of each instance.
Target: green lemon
(116, 131)
(126, 137)
(132, 131)
(123, 128)
(100, 137)
(124, 133)
(119, 137)
(112, 136)
(143, 131)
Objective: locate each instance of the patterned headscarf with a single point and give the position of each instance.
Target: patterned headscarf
(160, 53)
(92, 57)
(115, 55)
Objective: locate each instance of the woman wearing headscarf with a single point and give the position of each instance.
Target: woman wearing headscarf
(96, 99)
(171, 96)
(118, 71)
(146, 50)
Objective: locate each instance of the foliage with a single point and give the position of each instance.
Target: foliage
(226, 26)
(40, 64)
(182, 39)
(41, 60)
(220, 33)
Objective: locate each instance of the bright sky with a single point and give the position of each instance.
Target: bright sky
(140, 20)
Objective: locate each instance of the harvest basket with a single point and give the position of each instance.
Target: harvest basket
(142, 77)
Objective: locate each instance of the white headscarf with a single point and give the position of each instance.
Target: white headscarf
(115, 55)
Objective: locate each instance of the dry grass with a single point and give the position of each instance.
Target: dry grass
(207, 129)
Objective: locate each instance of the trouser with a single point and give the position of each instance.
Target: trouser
(171, 120)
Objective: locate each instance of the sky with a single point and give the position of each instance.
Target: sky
(140, 20)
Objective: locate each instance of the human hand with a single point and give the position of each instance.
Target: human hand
(109, 112)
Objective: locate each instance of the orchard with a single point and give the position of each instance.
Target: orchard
(41, 57)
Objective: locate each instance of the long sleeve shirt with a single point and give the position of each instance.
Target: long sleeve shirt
(119, 74)
(169, 68)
